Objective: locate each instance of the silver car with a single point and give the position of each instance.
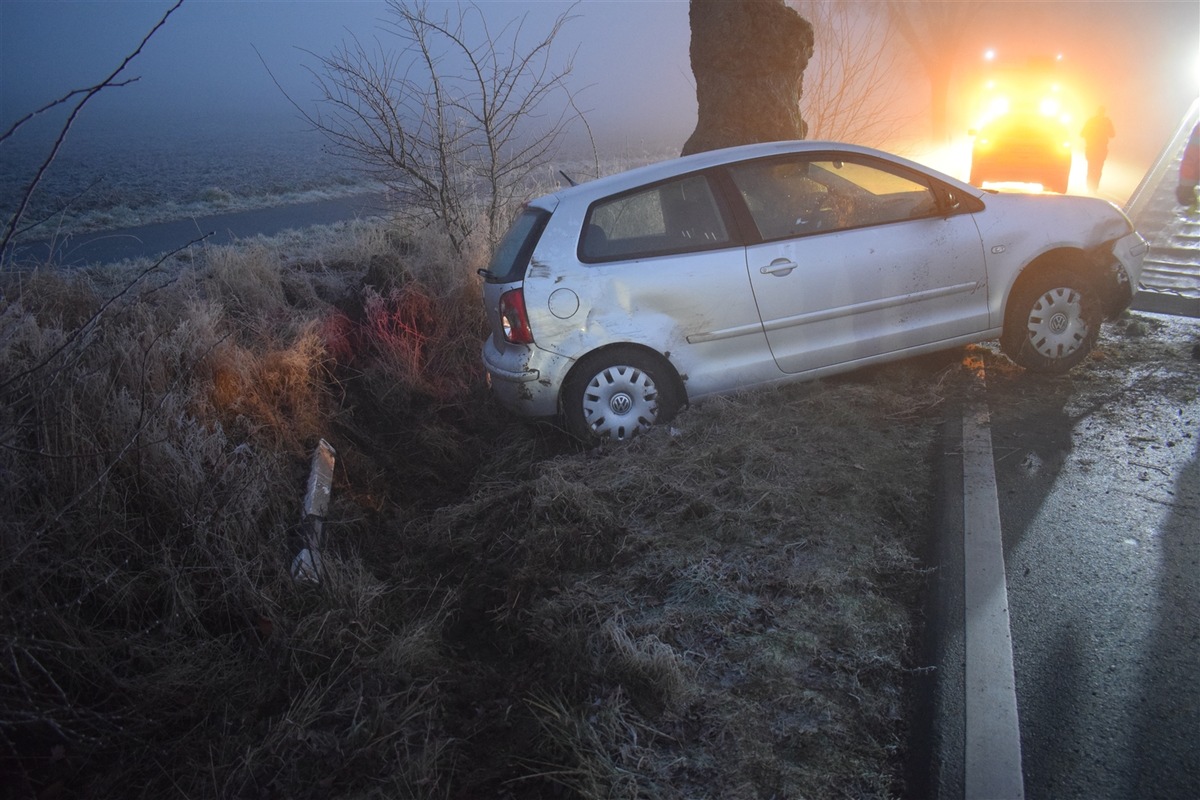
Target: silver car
(616, 302)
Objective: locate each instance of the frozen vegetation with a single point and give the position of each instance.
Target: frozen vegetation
(724, 609)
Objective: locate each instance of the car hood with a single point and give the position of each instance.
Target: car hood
(1061, 220)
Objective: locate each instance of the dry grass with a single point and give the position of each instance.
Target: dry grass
(722, 609)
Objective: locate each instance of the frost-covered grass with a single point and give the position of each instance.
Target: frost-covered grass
(118, 176)
(724, 609)
(121, 173)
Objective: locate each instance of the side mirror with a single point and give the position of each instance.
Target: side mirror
(948, 202)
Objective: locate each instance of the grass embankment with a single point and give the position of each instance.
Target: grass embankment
(722, 609)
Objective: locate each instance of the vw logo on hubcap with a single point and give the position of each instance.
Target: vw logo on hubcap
(1059, 323)
(621, 403)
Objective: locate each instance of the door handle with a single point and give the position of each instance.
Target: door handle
(780, 266)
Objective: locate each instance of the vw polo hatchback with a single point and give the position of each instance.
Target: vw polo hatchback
(616, 302)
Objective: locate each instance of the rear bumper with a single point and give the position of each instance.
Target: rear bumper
(524, 379)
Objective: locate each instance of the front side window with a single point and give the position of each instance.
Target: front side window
(796, 196)
(677, 216)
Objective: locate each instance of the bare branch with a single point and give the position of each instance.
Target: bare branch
(852, 80)
(452, 119)
(87, 94)
(61, 101)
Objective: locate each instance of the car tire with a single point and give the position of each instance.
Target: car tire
(1051, 322)
(618, 393)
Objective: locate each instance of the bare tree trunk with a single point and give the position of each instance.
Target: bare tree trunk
(748, 57)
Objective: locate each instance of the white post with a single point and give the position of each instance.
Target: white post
(307, 563)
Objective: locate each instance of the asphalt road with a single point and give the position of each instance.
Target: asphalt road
(1099, 491)
(1097, 481)
(151, 241)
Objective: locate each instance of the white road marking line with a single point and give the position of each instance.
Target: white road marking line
(992, 755)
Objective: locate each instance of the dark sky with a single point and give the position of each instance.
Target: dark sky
(1142, 59)
(631, 55)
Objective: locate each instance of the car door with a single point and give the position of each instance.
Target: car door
(659, 266)
(857, 257)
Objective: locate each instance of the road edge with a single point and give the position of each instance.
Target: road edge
(992, 736)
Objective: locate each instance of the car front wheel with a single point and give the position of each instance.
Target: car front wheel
(1052, 322)
(618, 393)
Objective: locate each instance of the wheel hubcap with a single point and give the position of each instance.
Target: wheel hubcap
(620, 402)
(1056, 324)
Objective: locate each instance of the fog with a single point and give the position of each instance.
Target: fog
(1140, 60)
(631, 70)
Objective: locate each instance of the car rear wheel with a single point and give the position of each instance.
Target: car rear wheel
(1052, 322)
(618, 393)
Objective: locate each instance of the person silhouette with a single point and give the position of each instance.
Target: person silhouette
(1096, 133)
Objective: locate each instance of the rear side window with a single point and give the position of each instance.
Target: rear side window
(511, 256)
(678, 216)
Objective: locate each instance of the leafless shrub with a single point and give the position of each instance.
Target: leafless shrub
(454, 118)
(855, 74)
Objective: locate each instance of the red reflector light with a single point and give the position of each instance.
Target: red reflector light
(514, 319)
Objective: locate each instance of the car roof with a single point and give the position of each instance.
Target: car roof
(662, 170)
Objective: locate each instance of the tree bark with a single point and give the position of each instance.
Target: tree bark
(748, 57)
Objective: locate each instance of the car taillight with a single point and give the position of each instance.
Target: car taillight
(514, 319)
